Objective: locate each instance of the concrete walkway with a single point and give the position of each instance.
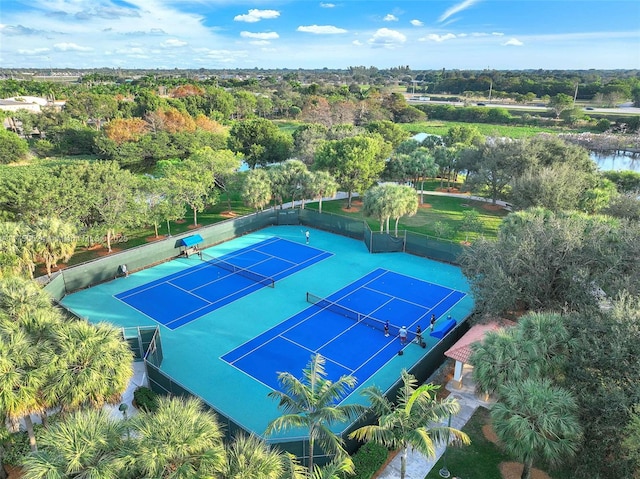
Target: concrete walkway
(418, 466)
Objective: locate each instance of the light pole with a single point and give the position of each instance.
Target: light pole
(444, 472)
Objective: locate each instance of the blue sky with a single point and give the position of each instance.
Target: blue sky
(424, 34)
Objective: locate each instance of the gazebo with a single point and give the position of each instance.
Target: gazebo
(189, 245)
(461, 350)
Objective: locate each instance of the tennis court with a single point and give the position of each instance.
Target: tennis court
(348, 328)
(213, 282)
(230, 354)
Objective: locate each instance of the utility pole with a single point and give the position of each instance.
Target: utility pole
(575, 95)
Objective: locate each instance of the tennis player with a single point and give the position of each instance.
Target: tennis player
(419, 335)
(306, 235)
(386, 329)
(403, 334)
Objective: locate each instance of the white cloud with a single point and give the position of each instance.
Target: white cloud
(130, 51)
(390, 18)
(66, 47)
(497, 34)
(321, 29)
(456, 8)
(416, 23)
(255, 15)
(387, 38)
(357, 43)
(260, 36)
(173, 43)
(327, 5)
(35, 51)
(434, 37)
(513, 42)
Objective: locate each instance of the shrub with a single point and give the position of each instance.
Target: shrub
(369, 459)
(146, 399)
(16, 448)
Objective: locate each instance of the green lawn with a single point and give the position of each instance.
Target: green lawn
(444, 209)
(480, 460)
(437, 127)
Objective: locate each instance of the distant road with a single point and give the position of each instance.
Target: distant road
(625, 108)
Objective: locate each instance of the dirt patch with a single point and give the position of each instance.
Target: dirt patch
(193, 227)
(106, 252)
(58, 267)
(490, 434)
(448, 190)
(491, 207)
(151, 239)
(228, 214)
(181, 221)
(513, 470)
(13, 472)
(425, 205)
(354, 208)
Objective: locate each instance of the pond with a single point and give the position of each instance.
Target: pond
(617, 161)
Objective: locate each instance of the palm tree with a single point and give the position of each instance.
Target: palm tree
(86, 444)
(322, 184)
(20, 297)
(93, 366)
(503, 356)
(55, 240)
(179, 441)
(312, 403)
(412, 422)
(23, 370)
(251, 457)
(535, 420)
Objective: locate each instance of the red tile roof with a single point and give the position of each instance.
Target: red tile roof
(461, 350)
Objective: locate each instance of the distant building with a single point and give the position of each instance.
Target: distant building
(30, 103)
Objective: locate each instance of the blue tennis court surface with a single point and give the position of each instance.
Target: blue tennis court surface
(182, 297)
(347, 328)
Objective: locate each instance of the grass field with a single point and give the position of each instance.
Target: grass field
(437, 127)
(482, 458)
(447, 211)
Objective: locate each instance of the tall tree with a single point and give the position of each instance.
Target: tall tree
(113, 201)
(86, 444)
(13, 149)
(260, 141)
(321, 185)
(179, 441)
(248, 456)
(571, 254)
(54, 240)
(313, 403)
(355, 162)
(535, 420)
(256, 188)
(412, 422)
(191, 182)
(23, 370)
(493, 165)
(92, 366)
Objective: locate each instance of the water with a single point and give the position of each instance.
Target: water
(617, 161)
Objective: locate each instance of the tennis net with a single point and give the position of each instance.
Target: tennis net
(246, 273)
(351, 314)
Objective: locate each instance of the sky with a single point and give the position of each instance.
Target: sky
(311, 34)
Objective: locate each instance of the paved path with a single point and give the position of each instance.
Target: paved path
(418, 466)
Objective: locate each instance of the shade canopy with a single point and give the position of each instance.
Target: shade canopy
(190, 241)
